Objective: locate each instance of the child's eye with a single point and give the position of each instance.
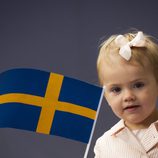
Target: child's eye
(115, 89)
(138, 85)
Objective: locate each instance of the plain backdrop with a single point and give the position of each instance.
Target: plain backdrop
(63, 36)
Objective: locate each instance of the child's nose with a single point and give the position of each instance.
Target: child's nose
(129, 95)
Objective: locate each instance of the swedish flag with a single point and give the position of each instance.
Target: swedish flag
(48, 103)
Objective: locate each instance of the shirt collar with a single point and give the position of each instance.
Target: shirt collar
(156, 124)
(121, 125)
(117, 127)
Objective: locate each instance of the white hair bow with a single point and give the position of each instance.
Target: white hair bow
(125, 45)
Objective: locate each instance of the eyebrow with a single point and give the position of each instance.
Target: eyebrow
(118, 84)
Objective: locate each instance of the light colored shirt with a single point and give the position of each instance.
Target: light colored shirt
(121, 142)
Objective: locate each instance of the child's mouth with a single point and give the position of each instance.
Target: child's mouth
(131, 108)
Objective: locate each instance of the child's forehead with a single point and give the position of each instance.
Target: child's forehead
(121, 66)
(118, 68)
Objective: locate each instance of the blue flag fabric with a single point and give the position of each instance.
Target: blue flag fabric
(48, 103)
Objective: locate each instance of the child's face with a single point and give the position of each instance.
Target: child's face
(131, 91)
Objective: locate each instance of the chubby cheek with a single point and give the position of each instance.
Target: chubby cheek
(115, 105)
(148, 99)
(116, 110)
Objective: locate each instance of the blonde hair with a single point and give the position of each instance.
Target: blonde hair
(150, 51)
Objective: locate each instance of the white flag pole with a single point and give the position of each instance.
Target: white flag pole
(98, 109)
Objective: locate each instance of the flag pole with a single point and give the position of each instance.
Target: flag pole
(90, 139)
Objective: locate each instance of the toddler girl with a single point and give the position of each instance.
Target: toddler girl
(128, 69)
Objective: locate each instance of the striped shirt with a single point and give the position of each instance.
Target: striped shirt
(120, 142)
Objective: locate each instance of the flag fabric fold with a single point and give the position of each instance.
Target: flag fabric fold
(48, 103)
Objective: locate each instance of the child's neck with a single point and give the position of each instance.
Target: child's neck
(145, 123)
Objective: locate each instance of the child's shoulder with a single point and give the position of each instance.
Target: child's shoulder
(107, 135)
(104, 144)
